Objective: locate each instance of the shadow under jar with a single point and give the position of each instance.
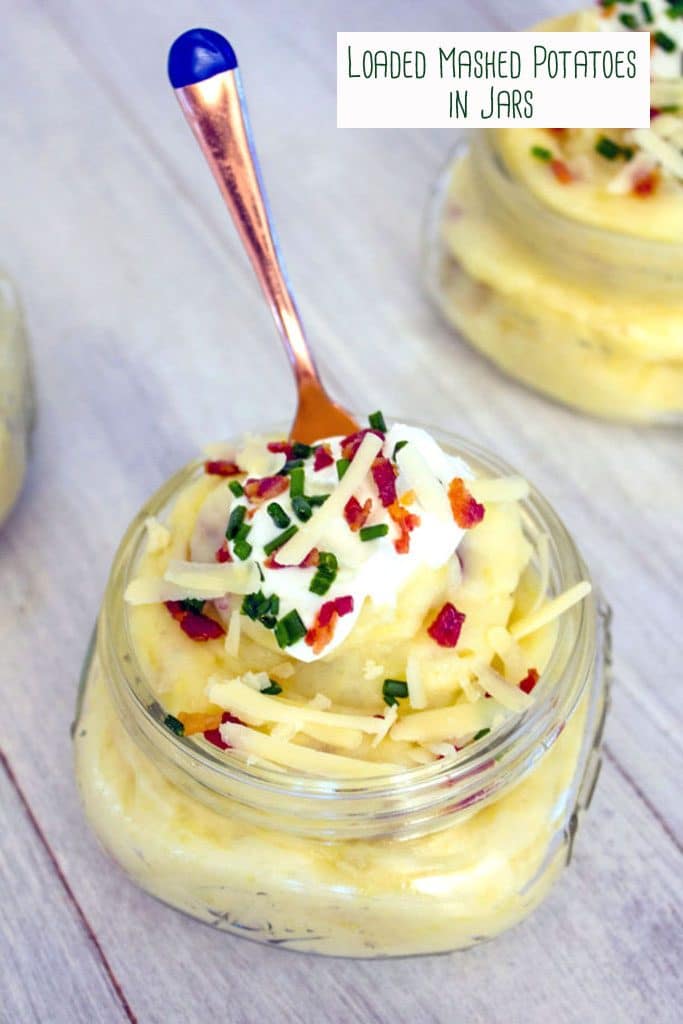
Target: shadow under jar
(589, 316)
(431, 859)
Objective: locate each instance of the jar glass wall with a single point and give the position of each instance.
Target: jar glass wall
(588, 316)
(16, 398)
(432, 859)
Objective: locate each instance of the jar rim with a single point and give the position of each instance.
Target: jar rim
(590, 234)
(509, 749)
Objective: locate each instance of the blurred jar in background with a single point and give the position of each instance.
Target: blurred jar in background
(16, 397)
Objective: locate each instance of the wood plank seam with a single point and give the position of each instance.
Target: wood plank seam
(644, 799)
(80, 913)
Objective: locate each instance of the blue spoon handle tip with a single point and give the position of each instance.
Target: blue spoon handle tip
(198, 54)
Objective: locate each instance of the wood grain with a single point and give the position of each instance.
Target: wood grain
(150, 338)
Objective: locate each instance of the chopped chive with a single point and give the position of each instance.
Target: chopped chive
(254, 605)
(394, 688)
(192, 604)
(243, 532)
(290, 629)
(541, 153)
(607, 148)
(301, 451)
(373, 532)
(314, 500)
(390, 701)
(296, 482)
(397, 448)
(242, 549)
(290, 465)
(278, 515)
(281, 539)
(175, 725)
(235, 521)
(274, 606)
(664, 42)
(480, 735)
(260, 572)
(236, 488)
(273, 689)
(628, 20)
(647, 12)
(377, 421)
(675, 10)
(320, 584)
(328, 560)
(302, 508)
(342, 466)
(670, 108)
(269, 621)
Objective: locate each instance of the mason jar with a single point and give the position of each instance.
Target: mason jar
(434, 858)
(16, 398)
(589, 316)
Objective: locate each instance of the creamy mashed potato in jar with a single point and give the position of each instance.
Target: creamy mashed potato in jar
(559, 252)
(344, 697)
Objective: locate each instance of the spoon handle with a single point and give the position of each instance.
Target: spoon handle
(203, 70)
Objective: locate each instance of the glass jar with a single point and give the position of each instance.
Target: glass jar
(16, 398)
(588, 316)
(435, 858)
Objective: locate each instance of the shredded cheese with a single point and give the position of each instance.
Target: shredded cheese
(309, 533)
(416, 690)
(153, 590)
(490, 490)
(372, 670)
(390, 716)
(158, 535)
(661, 149)
(430, 492)
(232, 636)
(549, 611)
(222, 578)
(245, 703)
(444, 723)
(290, 755)
(507, 694)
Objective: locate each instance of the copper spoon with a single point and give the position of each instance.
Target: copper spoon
(202, 67)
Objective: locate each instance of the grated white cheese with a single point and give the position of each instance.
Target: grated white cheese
(222, 578)
(153, 590)
(390, 715)
(499, 489)
(372, 670)
(158, 535)
(245, 703)
(507, 694)
(232, 636)
(444, 723)
(290, 755)
(550, 610)
(255, 459)
(416, 690)
(419, 477)
(661, 149)
(309, 533)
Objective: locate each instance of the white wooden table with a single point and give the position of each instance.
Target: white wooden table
(150, 338)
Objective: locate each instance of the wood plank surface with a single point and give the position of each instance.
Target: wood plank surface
(150, 338)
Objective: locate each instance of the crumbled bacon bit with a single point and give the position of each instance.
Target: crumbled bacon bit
(561, 171)
(406, 522)
(222, 467)
(654, 112)
(557, 131)
(199, 721)
(356, 514)
(322, 630)
(531, 678)
(352, 443)
(309, 562)
(214, 736)
(265, 489)
(466, 511)
(384, 475)
(446, 627)
(323, 458)
(645, 183)
(196, 625)
(280, 448)
(223, 553)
